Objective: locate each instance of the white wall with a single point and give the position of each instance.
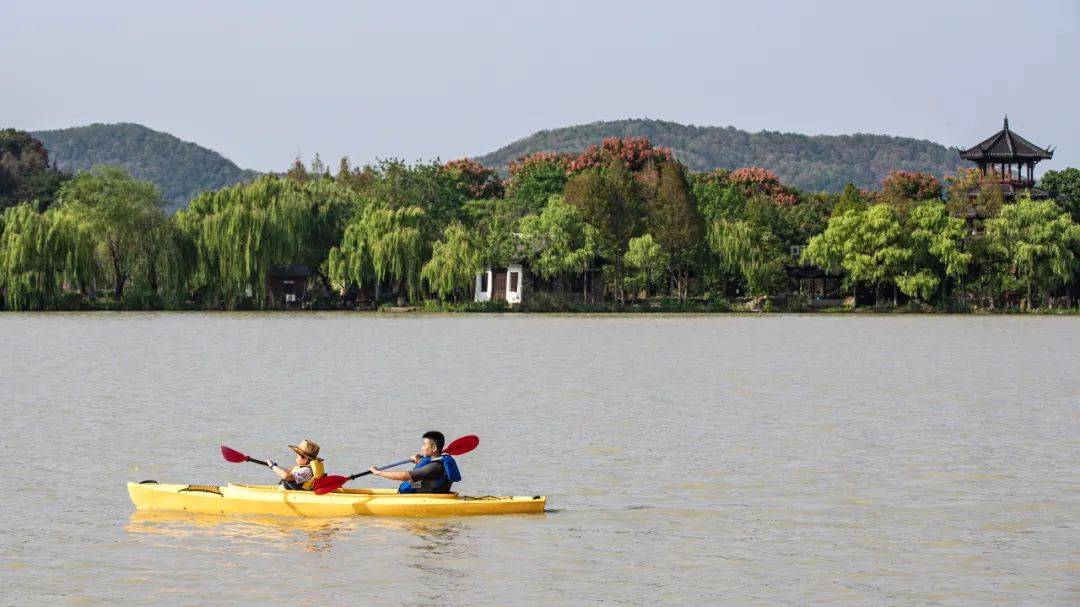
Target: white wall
(479, 295)
(514, 297)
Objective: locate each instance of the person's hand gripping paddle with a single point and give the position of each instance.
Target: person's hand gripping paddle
(331, 483)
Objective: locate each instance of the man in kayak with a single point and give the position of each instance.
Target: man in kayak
(308, 468)
(434, 472)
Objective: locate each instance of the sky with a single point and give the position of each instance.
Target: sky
(263, 81)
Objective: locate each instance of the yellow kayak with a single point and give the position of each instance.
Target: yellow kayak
(273, 499)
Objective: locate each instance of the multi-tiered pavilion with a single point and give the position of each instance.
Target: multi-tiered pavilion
(1008, 160)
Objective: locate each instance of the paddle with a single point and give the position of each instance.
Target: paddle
(235, 457)
(327, 484)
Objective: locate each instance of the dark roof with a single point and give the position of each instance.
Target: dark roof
(1004, 146)
(296, 270)
(812, 272)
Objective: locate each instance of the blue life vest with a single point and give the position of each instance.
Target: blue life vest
(451, 474)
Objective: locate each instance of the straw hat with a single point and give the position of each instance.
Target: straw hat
(307, 449)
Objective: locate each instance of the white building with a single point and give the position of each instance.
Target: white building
(500, 284)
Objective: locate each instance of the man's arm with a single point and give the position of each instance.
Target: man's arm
(393, 475)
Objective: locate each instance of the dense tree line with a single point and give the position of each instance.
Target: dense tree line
(623, 214)
(808, 162)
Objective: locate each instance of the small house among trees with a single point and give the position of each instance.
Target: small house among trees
(287, 285)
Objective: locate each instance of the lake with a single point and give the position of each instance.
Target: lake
(792, 460)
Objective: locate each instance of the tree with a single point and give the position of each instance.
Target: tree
(937, 245)
(382, 244)
(1065, 187)
(25, 172)
(1037, 242)
(649, 261)
(608, 199)
(454, 262)
(42, 255)
(239, 233)
(675, 223)
(537, 177)
(851, 199)
(870, 245)
(560, 242)
(750, 252)
(473, 180)
(900, 187)
(297, 171)
(121, 211)
(424, 185)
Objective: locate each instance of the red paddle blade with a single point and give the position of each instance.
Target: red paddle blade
(329, 484)
(232, 455)
(462, 445)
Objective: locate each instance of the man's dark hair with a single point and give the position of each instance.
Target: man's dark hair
(437, 438)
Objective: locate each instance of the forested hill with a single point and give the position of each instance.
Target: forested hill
(181, 169)
(813, 163)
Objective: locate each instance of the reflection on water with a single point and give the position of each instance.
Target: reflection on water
(309, 534)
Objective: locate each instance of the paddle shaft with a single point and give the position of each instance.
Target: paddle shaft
(256, 461)
(367, 472)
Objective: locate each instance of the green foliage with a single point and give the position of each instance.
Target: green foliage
(676, 224)
(381, 244)
(537, 177)
(810, 163)
(1037, 242)
(25, 172)
(749, 251)
(937, 245)
(870, 245)
(181, 170)
(559, 240)
(1064, 185)
(121, 212)
(239, 233)
(43, 256)
(454, 262)
(648, 262)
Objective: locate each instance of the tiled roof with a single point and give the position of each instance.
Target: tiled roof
(1004, 146)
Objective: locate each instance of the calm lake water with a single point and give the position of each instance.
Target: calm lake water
(909, 460)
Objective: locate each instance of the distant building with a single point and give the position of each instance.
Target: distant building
(1008, 160)
(288, 285)
(500, 284)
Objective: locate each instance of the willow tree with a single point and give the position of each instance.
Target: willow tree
(748, 251)
(381, 244)
(43, 255)
(454, 262)
(121, 211)
(240, 233)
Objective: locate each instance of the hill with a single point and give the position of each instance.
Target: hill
(181, 169)
(808, 162)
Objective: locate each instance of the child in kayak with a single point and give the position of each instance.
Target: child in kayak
(308, 468)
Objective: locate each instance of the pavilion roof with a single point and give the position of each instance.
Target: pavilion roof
(1004, 146)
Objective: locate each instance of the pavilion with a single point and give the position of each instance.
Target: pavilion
(1008, 160)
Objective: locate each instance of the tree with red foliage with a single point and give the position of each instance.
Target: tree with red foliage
(475, 180)
(758, 181)
(636, 152)
(901, 186)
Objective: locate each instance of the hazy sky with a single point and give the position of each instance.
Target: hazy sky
(263, 81)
